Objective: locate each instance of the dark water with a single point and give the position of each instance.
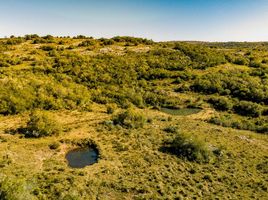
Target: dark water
(82, 157)
(182, 111)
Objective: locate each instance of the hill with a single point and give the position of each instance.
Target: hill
(170, 120)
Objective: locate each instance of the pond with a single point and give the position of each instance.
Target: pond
(181, 111)
(82, 157)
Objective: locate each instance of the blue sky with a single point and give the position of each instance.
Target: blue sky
(160, 20)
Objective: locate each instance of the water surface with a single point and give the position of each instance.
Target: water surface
(82, 157)
(181, 111)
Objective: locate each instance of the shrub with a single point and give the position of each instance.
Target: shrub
(263, 129)
(253, 124)
(111, 108)
(189, 147)
(80, 37)
(39, 41)
(18, 190)
(186, 76)
(54, 145)
(171, 129)
(5, 160)
(183, 88)
(254, 64)
(108, 42)
(47, 48)
(264, 61)
(221, 103)
(4, 64)
(237, 84)
(248, 109)
(14, 41)
(15, 100)
(240, 61)
(130, 119)
(263, 167)
(30, 37)
(28, 92)
(87, 43)
(41, 124)
(265, 112)
(202, 57)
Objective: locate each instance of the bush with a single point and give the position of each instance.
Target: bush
(14, 41)
(265, 112)
(5, 161)
(47, 48)
(41, 124)
(201, 56)
(4, 64)
(18, 190)
(229, 121)
(254, 64)
(259, 125)
(111, 108)
(87, 43)
(263, 129)
(15, 100)
(30, 37)
(54, 145)
(189, 147)
(263, 167)
(130, 119)
(28, 92)
(171, 129)
(248, 109)
(221, 103)
(108, 41)
(237, 84)
(240, 61)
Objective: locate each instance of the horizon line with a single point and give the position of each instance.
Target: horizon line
(157, 41)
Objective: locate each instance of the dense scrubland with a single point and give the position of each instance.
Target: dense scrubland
(56, 92)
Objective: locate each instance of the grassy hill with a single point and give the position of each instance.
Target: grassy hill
(57, 93)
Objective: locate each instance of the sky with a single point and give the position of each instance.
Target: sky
(160, 20)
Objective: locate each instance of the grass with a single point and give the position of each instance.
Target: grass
(131, 157)
(108, 94)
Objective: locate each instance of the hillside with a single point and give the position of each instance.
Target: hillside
(59, 93)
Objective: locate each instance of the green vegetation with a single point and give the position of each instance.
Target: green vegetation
(16, 190)
(41, 124)
(254, 124)
(188, 147)
(221, 103)
(55, 91)
(26, 92)
(54, 145)
(130, 119)
(111, 108)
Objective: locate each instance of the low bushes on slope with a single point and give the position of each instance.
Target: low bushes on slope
(130, 119)
(41, 124)
(221, 103)
(237, 84)
(29, 92)
(247, 108)
(259, 125)
(189, 147)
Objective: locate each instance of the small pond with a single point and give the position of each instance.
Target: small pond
(82, 157)
(181, 111)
